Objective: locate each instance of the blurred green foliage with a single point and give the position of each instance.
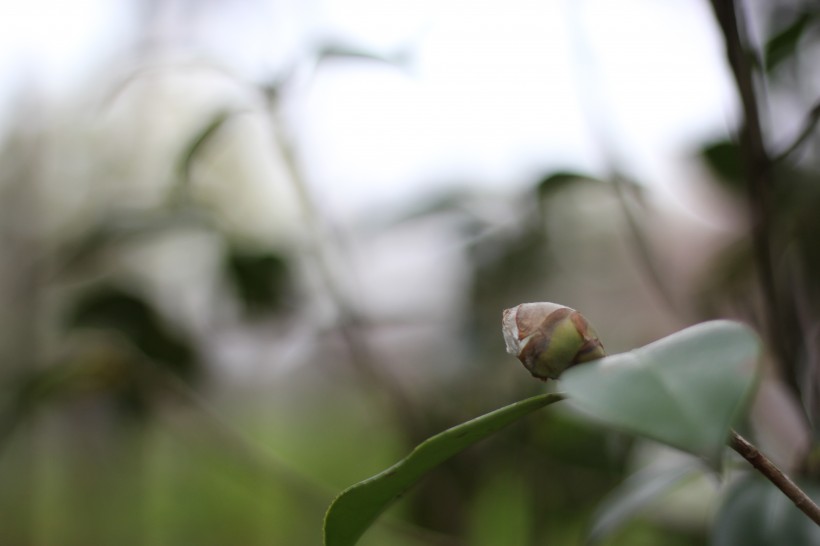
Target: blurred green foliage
(115, 309)
(261, 279)
(95, 325)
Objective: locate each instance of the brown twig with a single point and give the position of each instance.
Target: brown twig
(775, 475)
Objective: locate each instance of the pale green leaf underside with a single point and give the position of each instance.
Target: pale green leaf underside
(633, 495)
(685, 390)
(356, 508)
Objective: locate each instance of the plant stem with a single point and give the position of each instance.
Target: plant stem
(761, 181)
(351, 321)
(775, 475)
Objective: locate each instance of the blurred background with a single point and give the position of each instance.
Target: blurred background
(254, 251)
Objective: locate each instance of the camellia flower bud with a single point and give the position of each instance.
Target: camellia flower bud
(549, 338)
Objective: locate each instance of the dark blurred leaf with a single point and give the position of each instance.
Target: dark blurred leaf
(685, 390)
(729, 278)
(112, 308)
(262, 280)
(358, 506)
(725, 160)
(756, 513)
(806, 235)
(783, 45)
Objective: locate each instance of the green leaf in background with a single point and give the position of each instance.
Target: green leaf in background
(756, 513)
(784, 44)
(725, 160)
(685, 390)
(358, 506)
(122, 310)
(261, 279)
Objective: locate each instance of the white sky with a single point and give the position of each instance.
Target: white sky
(497, 92)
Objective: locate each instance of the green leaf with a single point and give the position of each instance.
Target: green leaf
(358, 506)
(685, 390)
(784, 44)
(725, 160)
(113, 308)
(756, 513)
(261, 279)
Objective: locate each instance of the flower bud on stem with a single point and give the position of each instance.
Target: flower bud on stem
(549, 338)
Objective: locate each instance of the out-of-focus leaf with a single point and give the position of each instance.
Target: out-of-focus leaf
(783, 45)
(261, 279)
(557, 181)
(358, 506)
(756, 513)
(729, 277)
(685, 390)
(98, 365)
(334, 50)
(633, 495)
(195, 145)
(725, 160)
(112, 308)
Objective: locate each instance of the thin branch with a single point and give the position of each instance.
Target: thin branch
(759, 171)
(775, 475)
(351, 322)
(641, 244)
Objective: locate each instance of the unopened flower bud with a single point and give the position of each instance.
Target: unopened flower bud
(549, 338)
